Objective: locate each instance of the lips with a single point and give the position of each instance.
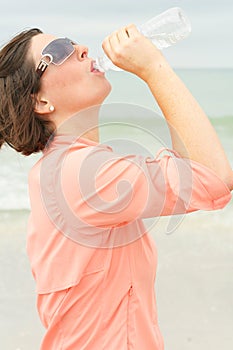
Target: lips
(93, 68)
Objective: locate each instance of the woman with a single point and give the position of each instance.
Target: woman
(92, 259)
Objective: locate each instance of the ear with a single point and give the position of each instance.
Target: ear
(42, 105)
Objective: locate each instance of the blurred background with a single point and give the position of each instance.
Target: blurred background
(194, 283)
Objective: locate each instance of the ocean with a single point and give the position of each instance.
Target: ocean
(130, 102)
(200, 249)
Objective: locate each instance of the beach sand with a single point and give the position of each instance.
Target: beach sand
(194, 284)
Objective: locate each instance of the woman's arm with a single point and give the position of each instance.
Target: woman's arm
(192, 134)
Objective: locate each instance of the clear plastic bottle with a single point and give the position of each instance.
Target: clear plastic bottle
(163, 30)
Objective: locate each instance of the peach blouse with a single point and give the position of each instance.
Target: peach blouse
(93, 260)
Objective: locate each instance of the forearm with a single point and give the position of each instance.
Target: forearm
(192, 134)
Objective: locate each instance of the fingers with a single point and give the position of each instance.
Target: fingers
(107, 46)
(112, 43)
(118, 38)
(132, 31)
(126, 48)
(123, 34)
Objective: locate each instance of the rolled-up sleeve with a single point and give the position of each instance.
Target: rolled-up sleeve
(116, 189)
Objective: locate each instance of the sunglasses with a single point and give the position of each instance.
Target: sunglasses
(56, 52)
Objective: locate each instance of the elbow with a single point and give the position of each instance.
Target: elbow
(230, 186)
(229, 181)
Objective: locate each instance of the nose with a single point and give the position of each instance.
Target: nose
(82, 52)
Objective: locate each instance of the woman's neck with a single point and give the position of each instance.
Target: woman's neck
(84, 124)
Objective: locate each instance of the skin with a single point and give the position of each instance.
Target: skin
(65, 87)
(191, 131)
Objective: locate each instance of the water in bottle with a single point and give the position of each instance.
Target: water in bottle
(163, 30)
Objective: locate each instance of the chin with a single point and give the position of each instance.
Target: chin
(104, 92)
(109, 89)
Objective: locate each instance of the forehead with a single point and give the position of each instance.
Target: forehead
(38, 42)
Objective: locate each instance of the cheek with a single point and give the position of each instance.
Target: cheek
(83, 87)
(58, 86)
(71, 90)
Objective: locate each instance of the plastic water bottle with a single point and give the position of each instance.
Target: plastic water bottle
(163, 30)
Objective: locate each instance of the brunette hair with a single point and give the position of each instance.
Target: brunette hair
(20, 127)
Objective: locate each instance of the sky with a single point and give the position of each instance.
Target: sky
(88, 22)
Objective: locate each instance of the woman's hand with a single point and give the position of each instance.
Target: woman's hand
(130, 50)
(193, 136)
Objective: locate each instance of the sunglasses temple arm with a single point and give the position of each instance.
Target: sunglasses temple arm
(42, 67)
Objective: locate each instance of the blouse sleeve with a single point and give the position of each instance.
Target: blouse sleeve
(116, 189)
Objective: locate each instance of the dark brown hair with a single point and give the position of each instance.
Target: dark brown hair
(20, 127)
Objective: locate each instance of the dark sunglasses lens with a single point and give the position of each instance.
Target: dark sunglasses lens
(59, 49)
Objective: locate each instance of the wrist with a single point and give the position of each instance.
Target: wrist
(156, 70)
